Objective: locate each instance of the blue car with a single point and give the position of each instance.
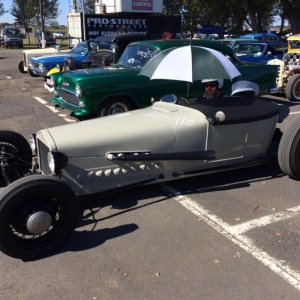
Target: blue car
(260, 52)
(41, 65)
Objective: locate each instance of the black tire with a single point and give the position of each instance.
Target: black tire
(114, 106)
(289, 150)
(37, 214)
(18, 141)
(21, 67)
(292, 90)
(69, 63)
(15, 144)
(32, 74)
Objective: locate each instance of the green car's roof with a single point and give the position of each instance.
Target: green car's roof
(166, 44)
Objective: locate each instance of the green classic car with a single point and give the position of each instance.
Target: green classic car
(118, 88)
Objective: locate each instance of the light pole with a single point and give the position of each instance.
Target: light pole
(83, 20)
(42, 23)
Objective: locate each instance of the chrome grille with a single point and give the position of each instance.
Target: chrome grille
(43, 161)
(68, 97)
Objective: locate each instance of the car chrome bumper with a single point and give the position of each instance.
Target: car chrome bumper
(274, 90)
(38, 71)
(48, 88)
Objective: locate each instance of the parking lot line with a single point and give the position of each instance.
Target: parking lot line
(277, 266)
(55, 110)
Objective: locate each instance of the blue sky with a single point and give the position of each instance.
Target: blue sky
(62, 18)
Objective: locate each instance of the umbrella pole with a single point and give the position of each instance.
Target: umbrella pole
(188, 88)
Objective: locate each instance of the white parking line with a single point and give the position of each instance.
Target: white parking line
(55, 110)
(277, 266)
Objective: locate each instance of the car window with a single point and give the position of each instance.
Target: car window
(253, 49)
(80, 49)
(137, 56)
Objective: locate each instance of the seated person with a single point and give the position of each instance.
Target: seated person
(270, 49)
(213, 88)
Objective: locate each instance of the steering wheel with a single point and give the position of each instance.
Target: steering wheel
(182, 101)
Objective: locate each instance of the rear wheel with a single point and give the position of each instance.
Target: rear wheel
(114, 106)
(37, 214)
(292, 90)
(289, 150)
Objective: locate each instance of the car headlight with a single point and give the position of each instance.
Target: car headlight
(56, 161)
(78, 91)
(41, 67)
(32, 142)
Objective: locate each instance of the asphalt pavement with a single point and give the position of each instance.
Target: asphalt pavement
(233, 235)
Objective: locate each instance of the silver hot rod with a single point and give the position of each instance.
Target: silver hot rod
(47, 176)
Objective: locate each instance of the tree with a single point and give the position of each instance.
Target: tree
(88, 6)
(2, 11)
(26, 11)
(291, 9)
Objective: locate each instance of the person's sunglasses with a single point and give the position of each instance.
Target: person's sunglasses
(210, 85)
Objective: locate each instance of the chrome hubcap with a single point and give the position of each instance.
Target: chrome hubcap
(39, 222)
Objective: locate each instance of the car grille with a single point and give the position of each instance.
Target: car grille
(43, 161)
(68, 97)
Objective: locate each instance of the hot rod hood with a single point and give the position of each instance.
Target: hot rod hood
(158, 129)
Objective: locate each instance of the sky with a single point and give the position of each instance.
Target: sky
(64, 6)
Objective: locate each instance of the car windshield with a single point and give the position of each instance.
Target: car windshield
(294, 44)
(80, 49)
(137, 56)
(252, 49)
(13, 31)
(228, 43)
(96, 46)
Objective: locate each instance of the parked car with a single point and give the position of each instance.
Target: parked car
(63, 47)
(264, 36)
(48, 37)
(166, 141)
(11, 36)
(102, 51)
(260, 52)
(233, 42)
(58, 35)
(41, 65)
(104, 91)
(288, 77)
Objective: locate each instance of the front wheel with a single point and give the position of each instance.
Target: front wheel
(289, 150)
(37, 214)
(114, 106)
(21, 67)
(292, 90)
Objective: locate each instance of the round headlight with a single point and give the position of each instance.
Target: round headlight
(41, 67)
(56, 161)
(78, 91)
(32, 142)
